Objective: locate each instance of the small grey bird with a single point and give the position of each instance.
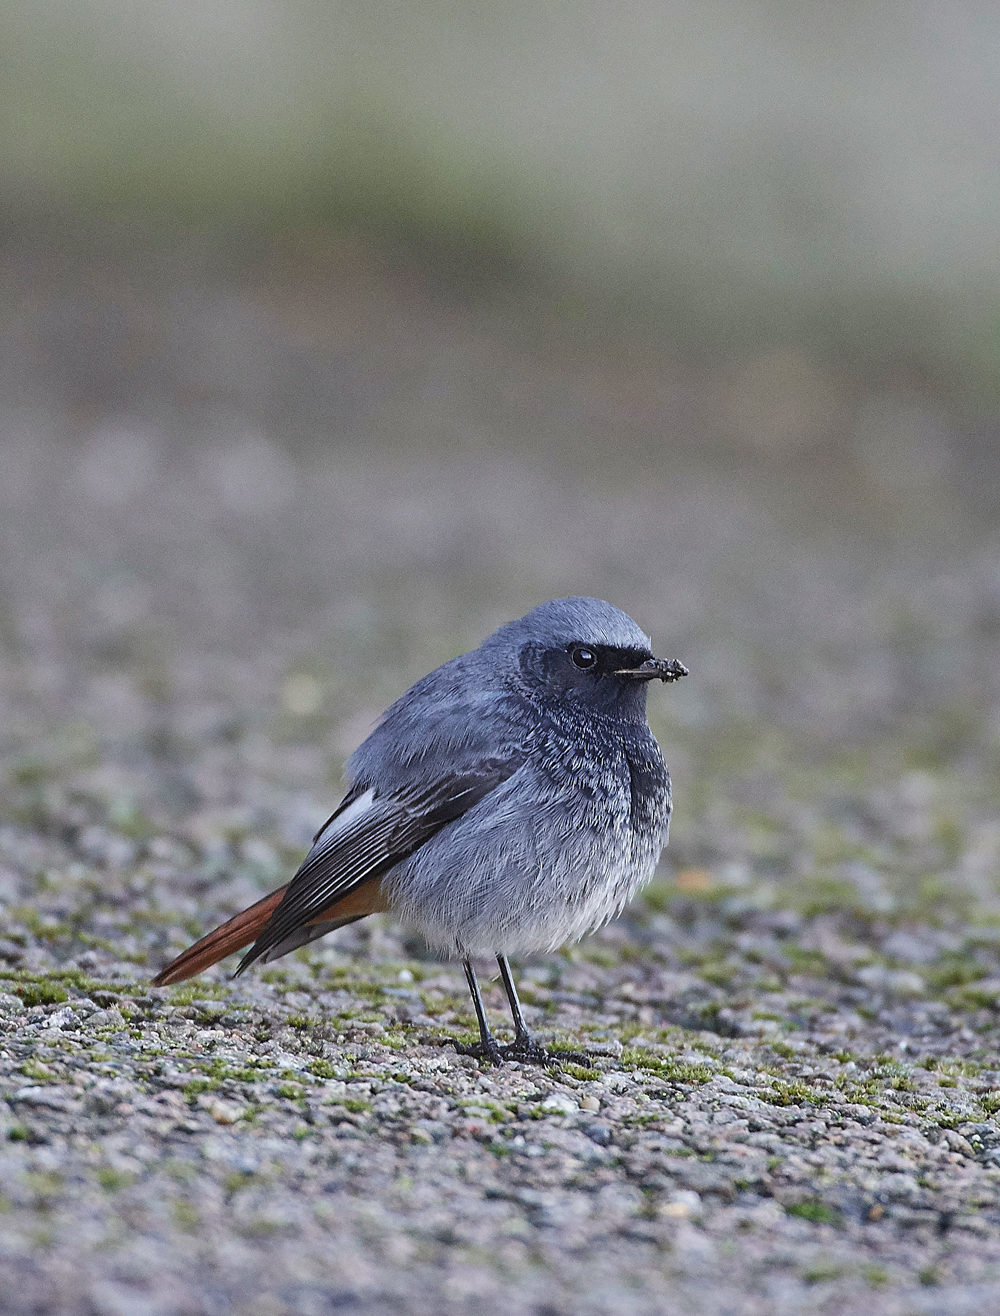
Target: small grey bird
(511, 801)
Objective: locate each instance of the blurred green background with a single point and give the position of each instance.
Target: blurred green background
(725, 178)
(333, 335)
(800, 200)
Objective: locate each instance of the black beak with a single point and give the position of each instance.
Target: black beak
(656, 669)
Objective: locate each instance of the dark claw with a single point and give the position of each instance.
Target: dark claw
(481, 1051)
(526, 1051)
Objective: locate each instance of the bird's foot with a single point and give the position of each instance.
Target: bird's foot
(487, 1050)
(525, 1050)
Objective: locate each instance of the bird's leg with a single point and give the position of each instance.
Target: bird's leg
(521, 1034)
(524, 1047)
(487, 1046)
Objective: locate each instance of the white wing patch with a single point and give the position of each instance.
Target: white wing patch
(342, 823)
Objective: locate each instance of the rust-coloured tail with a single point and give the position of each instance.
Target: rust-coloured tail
(238, 932)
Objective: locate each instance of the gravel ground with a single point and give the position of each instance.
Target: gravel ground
(774, 1120)
(792, 1099)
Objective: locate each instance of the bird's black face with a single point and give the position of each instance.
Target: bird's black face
(598, 676)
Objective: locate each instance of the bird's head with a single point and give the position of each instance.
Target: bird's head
(585, 652)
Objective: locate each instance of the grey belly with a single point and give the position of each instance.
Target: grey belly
(508, 880)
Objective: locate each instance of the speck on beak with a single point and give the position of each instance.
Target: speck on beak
(656, 669)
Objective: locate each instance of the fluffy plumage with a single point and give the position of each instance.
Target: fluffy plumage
(510, 801)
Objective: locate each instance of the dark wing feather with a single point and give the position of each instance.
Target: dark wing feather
(384, 833)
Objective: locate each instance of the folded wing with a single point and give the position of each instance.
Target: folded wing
(338, 882)
(367, 836)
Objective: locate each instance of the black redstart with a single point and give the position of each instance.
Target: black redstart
(511, 801)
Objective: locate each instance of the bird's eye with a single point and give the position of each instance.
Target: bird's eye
(583, 658)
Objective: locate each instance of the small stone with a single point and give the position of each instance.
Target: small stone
(55, 1098)
(899, 1186)
(599, 1133)
(112, 1018)
(225, 1112)
(895, 982)
(560, 1104)
(612, 1049)
(477, 1113)
(863, 1115)
(618, 1080)
(957, 1143)
(428, 1131)
(64, 1018)
(683, 1205)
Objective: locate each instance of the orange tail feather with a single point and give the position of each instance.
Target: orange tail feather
(239, 931)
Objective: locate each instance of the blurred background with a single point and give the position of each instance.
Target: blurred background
(334, 335)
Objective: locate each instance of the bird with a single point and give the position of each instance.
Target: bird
(508, 803)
